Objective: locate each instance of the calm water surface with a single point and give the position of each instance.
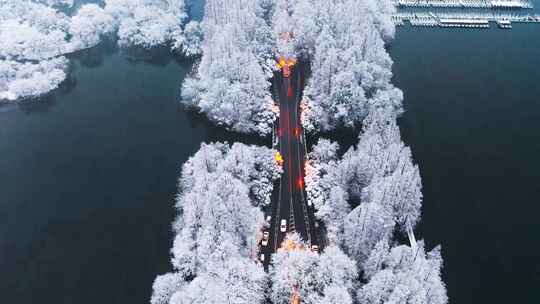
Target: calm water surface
(88, 176)
(473, 122)
(88, 179)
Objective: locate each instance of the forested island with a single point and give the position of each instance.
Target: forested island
(367, 200)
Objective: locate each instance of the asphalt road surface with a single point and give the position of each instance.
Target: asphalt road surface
(289, 196)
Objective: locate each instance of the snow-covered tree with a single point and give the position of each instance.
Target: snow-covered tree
(230, 84)
(324, 278)
(239, 281)
(283, 28)
(351, 70)
(366, 225)
(23, 80)
(88, 25)
(147, 23)
(165, 286)
(221, 188)
(404, 275)
(35, 34)
(67, 3)
(193, 37)
(324, 190)
(31, 31)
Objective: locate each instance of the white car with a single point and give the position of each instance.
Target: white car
(283, 226)
(265, 238)
(269, 218)
(261, 257)
(315, 248)
(309, 203)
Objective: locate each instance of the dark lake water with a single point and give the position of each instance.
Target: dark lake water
(473, 122)
(88, 176)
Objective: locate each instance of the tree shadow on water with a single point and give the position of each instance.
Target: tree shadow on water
(95, 56)
(45, 102)
(220, 133)
(160, 56)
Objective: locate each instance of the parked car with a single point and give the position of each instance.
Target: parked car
(283, 226)
(315, 248)
(269, 218)
(261, 257)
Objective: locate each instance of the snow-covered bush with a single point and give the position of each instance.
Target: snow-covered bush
(230, 84)
(221, 189)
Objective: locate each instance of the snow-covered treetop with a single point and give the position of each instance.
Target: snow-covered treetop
(315, 278)
(148, 23)
(403, 275)
(351, 70)
(38, 30)
(220, 191)
(230, 84)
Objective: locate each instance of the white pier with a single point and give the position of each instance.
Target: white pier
(506, 4)
(463, 13)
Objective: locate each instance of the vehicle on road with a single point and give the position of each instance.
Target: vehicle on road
(279, 159)
(309, 203)
(286, 71)
(265, 238)
(261, 257)
(283, 226)
(315, 248)
(268, 218)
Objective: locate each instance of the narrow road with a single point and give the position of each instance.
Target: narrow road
(289, 197)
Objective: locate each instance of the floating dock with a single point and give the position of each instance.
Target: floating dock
(508, 4)
(504, 24)
(463, 13)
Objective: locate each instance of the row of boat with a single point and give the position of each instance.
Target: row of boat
(428, 21)
(500, 4)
